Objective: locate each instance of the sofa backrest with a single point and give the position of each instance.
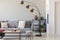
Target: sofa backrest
(15, 24)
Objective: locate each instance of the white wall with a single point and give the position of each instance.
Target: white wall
(57, 0)
(13, 10)
(52, 29)
(57, 15)
(51, 17)
(47, 13)
(41, 4)
(50, 11)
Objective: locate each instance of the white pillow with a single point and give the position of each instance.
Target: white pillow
(4, 24)
(21, 24)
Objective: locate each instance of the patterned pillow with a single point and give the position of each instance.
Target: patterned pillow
(4, 24)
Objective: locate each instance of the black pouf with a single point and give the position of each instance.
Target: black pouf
(2, 35)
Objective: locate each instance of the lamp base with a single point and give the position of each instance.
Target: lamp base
(39, 35)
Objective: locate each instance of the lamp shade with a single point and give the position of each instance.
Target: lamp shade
(27, 6)
(32, 10)
(22, 2)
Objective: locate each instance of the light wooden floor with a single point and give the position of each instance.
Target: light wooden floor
(44, 37)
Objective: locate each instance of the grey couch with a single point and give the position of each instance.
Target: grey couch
(12, 24)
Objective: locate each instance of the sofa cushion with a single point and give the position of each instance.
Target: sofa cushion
(21, 24)
(28, 24)
(13, 24)
(4, 24)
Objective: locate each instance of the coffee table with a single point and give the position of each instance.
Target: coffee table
(12, 35)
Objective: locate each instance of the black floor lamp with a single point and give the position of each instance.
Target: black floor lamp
(35, 8)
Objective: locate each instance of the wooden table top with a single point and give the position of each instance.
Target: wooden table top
(11, 31)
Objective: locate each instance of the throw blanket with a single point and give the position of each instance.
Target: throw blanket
(2, 30)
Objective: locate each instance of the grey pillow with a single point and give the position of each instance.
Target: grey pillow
(28, 24)
(12, 24)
